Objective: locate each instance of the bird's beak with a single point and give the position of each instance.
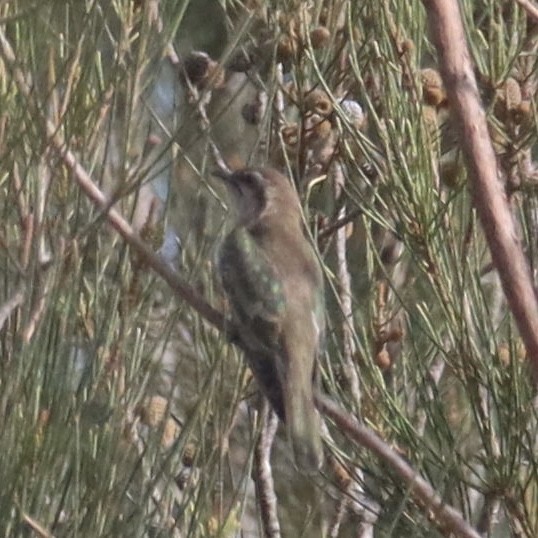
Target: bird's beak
(222, 174)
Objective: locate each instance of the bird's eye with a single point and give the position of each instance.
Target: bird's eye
(255, 178)
(237, 187)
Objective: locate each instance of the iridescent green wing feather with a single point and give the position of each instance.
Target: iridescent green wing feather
(257, 299)
(253, 288)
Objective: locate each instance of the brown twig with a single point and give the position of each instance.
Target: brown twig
(420, 490)
(263, 477)
(344, 293)
(26, 218)
(13, 302)
(36, 526)
(338, 516)
(489, 514)
(84, 180)
(201, 99)
(340, 222)
(488, 193)
(42, 287)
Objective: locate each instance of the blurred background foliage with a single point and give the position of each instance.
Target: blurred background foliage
(123, 413)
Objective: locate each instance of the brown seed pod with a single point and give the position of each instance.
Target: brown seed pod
(317, 128)
(318, 102)
(171, 432)
(395, 334)
(432, 87)
(503, 352)
(202, 71)
(153, 410)
(383, 360)
(320, 37)
(523, 112)
(332, 18)
(407, 46)
(286, 49)
(290, 134)
(343, 478)
(521, 350)
(429, 113)
(512, 94)
(288, 150)
(189, 454)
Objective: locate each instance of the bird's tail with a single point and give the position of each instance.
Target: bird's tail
(303, 424)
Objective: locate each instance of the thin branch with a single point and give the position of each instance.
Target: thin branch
(420, 489)
(84, 180)
(201, 99)
(435, 371)
(488, 192)
(489, 514)
(426, 497)
(263, 477)
(342, 220)
(338, 516)
(13, 302)
(39, 305)
(36, 526)
(344, 293)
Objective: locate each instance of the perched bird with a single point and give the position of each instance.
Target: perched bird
(274, 283)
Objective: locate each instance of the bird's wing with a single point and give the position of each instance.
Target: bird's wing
(254, 289)
(258, 302)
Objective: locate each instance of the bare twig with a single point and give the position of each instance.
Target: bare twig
(36, 526)
(13, 302)
(338, 516)
(429, 500)
(186, 292)
(263, 478)
(435, 371)
(420, 489)
(344, 293)
(353, 498)
(342, 220)
(489, 197)
(489, 515)
(38, 307)
(201, 99)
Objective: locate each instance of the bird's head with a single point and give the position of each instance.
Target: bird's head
(259, 193)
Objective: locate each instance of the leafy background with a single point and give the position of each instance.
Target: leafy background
(123, 412)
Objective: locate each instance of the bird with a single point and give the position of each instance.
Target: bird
(273, 280)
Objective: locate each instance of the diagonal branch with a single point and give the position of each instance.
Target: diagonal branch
(427, 497)
(423, 493)
(263, 475)
(115, 219)
(488, 192)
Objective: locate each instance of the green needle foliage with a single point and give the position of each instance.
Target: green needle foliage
(123, 412)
